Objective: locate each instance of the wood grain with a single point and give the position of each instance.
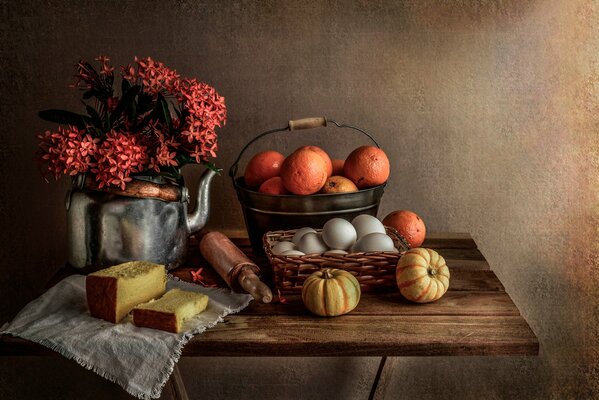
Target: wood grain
(465, 303)
(358, 335)
(476, 280)
(469, 265)
(449, 240)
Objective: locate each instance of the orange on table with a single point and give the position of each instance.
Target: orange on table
(324, 156)
(304, 172)
(337, 167)
(262, 166)
(274, 186)
(408, 224)
(367, 166)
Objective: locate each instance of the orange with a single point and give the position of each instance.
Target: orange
(339, 184)
(304, 172)
(274, 186)
(367, 166)
(408, 224)
(262, 167)
(324, 156)
(337, 167)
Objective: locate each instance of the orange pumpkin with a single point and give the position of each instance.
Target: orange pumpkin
(422, 275)
(331, 292)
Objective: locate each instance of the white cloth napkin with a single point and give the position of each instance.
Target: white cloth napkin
(139, 359)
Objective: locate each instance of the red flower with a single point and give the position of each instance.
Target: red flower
(282, 299)
(154, 76)
(166, 153)
(112, 102)
(106, 68)
(68, 151)
(196, 277)
(119, 156)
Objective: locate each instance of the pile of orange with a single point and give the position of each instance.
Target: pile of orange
(309, 170)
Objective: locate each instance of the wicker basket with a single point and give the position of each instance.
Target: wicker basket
(375, 271)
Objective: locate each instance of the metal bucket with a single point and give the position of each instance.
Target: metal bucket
(265, 212)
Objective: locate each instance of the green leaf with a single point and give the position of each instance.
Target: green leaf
(212, 166)
(95, 132)
(95, 117)
(123, 103)
(132, 111)
(145, 103)
(125, 86)
(183, 159)
(65, 117)
(179, 114)
(165, 113)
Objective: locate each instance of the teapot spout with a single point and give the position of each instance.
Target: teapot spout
(198, 219)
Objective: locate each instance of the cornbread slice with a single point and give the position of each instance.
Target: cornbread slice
(170, 311)
(114, 291)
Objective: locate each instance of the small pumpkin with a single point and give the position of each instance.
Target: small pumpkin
(422, 275)
(331, 292)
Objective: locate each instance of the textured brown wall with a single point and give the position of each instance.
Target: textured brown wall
(487, 109)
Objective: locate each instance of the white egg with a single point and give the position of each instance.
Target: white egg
(366, 224)
(339, 234)
(292, 253)
(283, 246)
(299, 233)
(336, 251)
(312, 243)
(374, 242)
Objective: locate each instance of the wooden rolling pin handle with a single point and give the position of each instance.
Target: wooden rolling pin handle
(240, 273)
(250, 282)
(142, 190)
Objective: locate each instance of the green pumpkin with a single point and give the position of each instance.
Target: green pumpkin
(331, 292)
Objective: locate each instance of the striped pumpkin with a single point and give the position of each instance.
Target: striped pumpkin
(331, 292)
(422, 275)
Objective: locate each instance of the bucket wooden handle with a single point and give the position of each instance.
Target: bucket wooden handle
(294, 125)
(307, 123)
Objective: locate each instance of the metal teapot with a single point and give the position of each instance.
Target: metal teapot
(148, 221)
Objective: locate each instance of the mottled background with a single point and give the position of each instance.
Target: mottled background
(487, 109)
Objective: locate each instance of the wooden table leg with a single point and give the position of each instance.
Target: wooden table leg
(382, 378)
(178, 385)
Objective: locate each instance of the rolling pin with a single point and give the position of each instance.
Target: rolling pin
(233, 266)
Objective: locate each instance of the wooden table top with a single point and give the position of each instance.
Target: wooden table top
(475, 317)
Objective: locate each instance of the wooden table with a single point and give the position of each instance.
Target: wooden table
(475, 317)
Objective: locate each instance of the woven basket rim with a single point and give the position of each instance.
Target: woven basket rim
(310, 258)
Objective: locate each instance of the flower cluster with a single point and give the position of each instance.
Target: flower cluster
(159, 122)
(119, 156)
(68, 151)
(154, 75)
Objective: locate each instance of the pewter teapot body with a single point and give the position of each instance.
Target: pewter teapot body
(106, 228)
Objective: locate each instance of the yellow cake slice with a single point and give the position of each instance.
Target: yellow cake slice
(113, 292)
(169, 312)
